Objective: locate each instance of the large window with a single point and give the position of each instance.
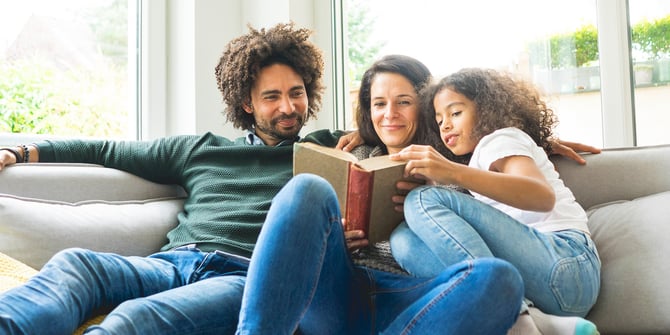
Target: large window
(555, 44)
(68, 67)
(650, 30)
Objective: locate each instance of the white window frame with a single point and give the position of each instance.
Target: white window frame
(151, 75)
(615, 66)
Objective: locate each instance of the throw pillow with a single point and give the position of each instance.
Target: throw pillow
(32, 230)
(632, 240)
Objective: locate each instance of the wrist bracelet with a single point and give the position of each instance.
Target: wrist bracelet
(16, 154)
(26, 153)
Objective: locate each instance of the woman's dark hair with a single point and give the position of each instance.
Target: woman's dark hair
(246, 55)
(502, 101)
(418, 74)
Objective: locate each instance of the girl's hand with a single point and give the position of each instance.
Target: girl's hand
(426, 163)
(349, 141)
(355, 239)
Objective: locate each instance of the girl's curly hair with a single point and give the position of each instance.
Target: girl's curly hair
(246, 55)
(501, 101)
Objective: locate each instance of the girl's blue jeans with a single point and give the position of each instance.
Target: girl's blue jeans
(300, 280)
(560, 270)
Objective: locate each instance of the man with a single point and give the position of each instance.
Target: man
(271, 83)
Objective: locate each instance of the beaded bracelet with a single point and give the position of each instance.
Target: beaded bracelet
(16, 154)
(26, 153)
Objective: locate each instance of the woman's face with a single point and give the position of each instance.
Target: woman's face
(394, 107)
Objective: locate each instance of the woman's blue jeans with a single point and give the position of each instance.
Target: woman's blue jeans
(301, 280)
(560, 270)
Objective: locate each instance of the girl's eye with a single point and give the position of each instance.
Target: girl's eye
(456, 113)
(439, 122)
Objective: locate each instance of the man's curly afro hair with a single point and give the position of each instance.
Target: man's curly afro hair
(246, 55)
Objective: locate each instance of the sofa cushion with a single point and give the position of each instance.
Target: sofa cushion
(32, 230)
(632, 239)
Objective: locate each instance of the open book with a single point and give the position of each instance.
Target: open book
(364, 187)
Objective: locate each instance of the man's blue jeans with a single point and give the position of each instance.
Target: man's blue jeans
(175, 292)
(302, 279)
(561, 270)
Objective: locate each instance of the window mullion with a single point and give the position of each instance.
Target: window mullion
(615, 72)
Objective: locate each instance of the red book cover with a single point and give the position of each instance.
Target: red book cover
(364, 187)
(359, 199)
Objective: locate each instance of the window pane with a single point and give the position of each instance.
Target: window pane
(558, 52)
(64, 68)
(650, 29)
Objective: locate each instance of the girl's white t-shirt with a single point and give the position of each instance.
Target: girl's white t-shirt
(567, 213)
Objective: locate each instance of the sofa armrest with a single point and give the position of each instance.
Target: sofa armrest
(617, 174)
(73, 182)
(45, 208)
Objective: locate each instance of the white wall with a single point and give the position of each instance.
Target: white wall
(195, 35)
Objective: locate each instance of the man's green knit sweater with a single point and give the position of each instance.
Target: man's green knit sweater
(230, 184)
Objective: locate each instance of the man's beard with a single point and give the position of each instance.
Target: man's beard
(279, 134)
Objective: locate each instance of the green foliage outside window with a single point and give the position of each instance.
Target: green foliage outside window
(362, 51)
(653, 38)
(580, 47)
(38, 98)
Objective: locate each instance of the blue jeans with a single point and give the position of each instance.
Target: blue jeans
(175, 292)
(302, 280)
(560, 270)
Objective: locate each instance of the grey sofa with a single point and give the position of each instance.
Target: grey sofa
(47, 207)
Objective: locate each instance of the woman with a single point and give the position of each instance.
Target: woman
(389, 119)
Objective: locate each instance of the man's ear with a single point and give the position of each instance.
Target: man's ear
(248, 107)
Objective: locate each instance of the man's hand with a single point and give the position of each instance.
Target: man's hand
(349, 141)
(6, 158)
(572, 149)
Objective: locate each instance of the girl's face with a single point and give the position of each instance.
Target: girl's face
(395, 110)
(456, 115)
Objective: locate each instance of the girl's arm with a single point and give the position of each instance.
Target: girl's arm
(514, 180)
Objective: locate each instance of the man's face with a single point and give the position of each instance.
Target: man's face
(279, 103)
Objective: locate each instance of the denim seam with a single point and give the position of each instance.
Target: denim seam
(431, 304)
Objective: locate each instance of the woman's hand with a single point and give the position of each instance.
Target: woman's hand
(355, 239)
(403, 187)
(349, 141)
(571, 150)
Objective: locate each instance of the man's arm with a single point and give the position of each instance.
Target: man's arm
(572, 149)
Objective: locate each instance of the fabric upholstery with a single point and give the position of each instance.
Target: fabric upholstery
(129, 227)
(632, 239)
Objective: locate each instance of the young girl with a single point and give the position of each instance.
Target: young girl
(520, 210)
